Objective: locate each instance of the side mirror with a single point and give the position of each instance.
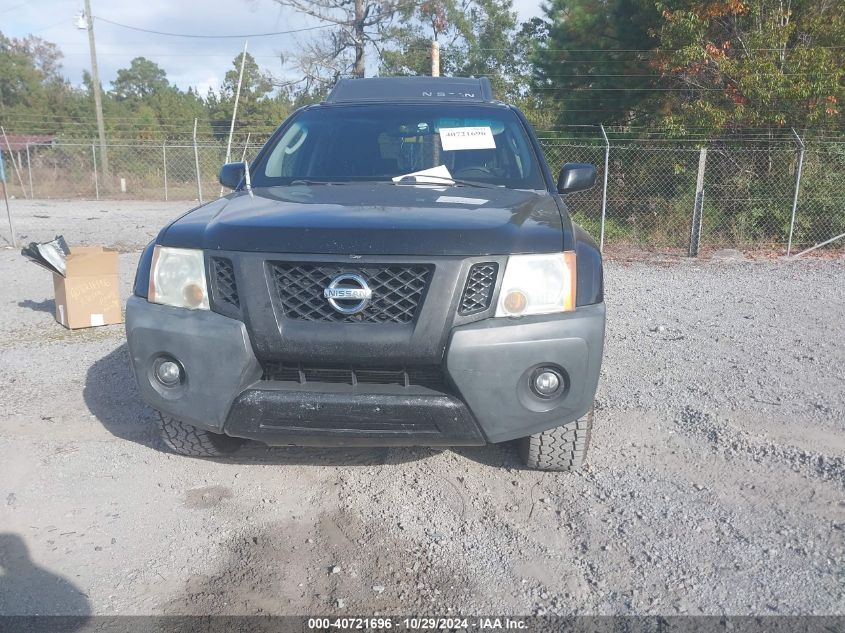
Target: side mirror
(576, 177)
(231, 174)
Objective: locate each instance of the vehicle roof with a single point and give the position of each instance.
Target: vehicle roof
(416, 89)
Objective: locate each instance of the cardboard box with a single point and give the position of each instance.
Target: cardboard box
(88, 295)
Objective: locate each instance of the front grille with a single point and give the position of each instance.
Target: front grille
(421, 376)
(478, 291)
(398, 290)
(226, 291)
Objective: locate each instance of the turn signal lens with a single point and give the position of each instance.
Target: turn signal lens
(515, 302)
(194, 295)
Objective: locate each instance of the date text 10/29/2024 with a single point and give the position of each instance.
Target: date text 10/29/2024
(416, 624)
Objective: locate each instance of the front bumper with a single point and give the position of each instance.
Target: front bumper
(487, 365)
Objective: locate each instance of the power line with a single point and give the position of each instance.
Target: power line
(489, 49)
(654, 50)
(16, 6)
(425, 46)
(588, 89)
(217, 37)
(756, 130)
(137, 53)
(638, 75)
(51, 26)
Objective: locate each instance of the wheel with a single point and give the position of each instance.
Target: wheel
(185, 439)
(561, 448)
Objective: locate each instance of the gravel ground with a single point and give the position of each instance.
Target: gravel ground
(126, 225)
(715, 483)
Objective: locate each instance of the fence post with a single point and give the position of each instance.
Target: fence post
(698, 207)
(29, 170)
(164, 164)
(96, 179)
(197, 163)
(6, 199)
(797, 189)
(604, 190)
(12, 159)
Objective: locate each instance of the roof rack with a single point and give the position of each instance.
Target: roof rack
(418, 89)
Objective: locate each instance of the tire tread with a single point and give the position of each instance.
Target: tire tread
(193, 441)
(561, 448)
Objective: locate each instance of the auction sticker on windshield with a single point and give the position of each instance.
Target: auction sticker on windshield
(458, 138)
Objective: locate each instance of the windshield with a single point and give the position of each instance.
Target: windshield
(381, 142)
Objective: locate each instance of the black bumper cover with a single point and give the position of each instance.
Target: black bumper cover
(487, 365)
(288, 416)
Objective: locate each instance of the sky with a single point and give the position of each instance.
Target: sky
(200, 63)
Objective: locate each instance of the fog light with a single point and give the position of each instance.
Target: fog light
(546, 382)
(168, 373)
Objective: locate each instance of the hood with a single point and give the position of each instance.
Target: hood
(374, 219)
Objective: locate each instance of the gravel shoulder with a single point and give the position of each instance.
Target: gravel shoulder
(716, 481)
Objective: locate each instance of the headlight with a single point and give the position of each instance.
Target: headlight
(537, 284)
(177, 278)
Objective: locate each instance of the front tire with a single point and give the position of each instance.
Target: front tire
(193, 441)
(561, 448)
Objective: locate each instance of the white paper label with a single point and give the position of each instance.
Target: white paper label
(461, 200)
(458, 138)
(97, 319)
(434, 175)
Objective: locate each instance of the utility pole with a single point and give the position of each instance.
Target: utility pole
(98, 100)
(435, 72)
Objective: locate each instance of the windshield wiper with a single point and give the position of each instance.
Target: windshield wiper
(302, 181)
(426, 180)
(404, 180)
(357, 181)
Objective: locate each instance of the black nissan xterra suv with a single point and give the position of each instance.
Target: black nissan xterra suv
(396, 267)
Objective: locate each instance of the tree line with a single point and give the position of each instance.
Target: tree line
(685, 66)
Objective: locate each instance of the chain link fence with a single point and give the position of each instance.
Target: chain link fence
(821, 197)
(657, 195)
(75, 171)
(682, 196)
